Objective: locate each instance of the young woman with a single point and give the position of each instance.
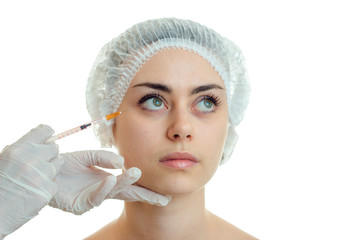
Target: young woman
(183, 89)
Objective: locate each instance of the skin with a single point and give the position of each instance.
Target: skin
(179, 120)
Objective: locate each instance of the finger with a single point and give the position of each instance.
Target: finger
(48, 151)
(57, 163)
(124, 180)
(103, 159)
(99, 194)
(39, 134)
(135, 193)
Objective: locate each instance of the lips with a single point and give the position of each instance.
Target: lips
(178, 160)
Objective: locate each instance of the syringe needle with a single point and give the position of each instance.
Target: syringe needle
(83, 127)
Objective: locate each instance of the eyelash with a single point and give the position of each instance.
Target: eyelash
(214, 99)
(149, 96)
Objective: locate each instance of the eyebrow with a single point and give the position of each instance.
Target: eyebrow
(205, 88)
(164, 88)
(156, 86)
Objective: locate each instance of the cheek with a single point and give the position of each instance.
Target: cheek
(135, 137)
(214, 137)
(211, 144)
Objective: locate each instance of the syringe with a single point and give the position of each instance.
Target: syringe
(84, 126)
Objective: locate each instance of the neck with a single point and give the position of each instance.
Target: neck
(185, 217)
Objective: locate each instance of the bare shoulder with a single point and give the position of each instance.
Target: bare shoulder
(226, 230)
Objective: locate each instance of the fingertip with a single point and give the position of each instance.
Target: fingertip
(130, 176)
(134, 172)
(46, 130)
(163, 201)
(160, 201)
(45, 126)
(136, 193)
(39, 134)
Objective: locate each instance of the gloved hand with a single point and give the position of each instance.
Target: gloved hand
(83, 186)
(27, 169)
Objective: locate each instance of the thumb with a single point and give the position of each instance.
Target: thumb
(136, 193)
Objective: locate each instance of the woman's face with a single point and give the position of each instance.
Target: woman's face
(175, 123)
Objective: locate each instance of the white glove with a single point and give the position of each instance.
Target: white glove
(82, 186)
(27, 170)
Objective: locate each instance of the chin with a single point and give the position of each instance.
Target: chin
(178, 191)
(173, 186)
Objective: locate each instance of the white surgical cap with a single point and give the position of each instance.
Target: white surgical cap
(121, 58)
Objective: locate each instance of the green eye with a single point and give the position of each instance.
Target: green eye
(157, 102)
(205, 105)
(154, 103)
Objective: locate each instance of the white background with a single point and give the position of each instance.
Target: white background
(295, 172)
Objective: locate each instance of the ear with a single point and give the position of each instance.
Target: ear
(114, 131)
(230, 143)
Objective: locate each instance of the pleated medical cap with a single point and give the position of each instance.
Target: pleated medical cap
(121, 58)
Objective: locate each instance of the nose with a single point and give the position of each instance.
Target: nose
(180, 128)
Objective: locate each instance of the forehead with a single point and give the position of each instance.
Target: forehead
(178, 68)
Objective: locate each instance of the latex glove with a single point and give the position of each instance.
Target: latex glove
(27, 169)
(83, 186)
